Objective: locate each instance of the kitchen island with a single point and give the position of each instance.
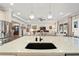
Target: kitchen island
(65, 46)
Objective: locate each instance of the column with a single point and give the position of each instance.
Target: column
(20, 30)
(69, 26)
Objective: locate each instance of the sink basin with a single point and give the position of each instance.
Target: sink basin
(40, 46)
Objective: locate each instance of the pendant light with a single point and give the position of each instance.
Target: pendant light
(18, 13)
(50, 12)
(31, 16)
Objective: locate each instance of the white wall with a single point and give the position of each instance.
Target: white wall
(5, 16)
(2, 15)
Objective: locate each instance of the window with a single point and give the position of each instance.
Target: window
(75, 24)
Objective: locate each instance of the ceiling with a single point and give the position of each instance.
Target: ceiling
(41, 10)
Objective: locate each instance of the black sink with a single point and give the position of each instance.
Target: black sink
(40, 46)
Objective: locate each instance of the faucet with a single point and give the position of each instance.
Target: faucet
(41, 34)
(36, 39)
(40, 39)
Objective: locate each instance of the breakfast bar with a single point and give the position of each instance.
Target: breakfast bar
(65, 46)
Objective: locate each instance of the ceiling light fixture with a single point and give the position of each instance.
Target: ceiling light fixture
(31, 16)
(32, 13)
(49, 16)
(18, 13)
(50, 13)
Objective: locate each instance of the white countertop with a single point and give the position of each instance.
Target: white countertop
(63, 44)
